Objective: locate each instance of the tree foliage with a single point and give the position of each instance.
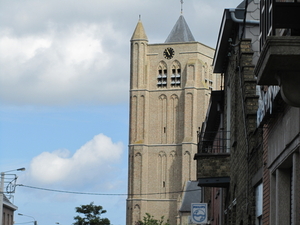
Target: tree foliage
(149, 220)
(91, 214)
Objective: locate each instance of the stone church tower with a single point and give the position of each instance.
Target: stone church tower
(170, 85)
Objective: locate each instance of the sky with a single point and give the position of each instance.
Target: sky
(64, 96)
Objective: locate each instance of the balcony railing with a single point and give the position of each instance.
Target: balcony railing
(214, 142)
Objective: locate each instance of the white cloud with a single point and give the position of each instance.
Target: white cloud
(23, 49)
(61, 67)
(74, 53)
(94, 163)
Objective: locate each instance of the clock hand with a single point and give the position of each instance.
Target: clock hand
(168, 51)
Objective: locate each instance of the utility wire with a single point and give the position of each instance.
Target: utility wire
(89, 193)
(24, 222)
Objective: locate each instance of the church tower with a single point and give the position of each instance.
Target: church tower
(170, 85)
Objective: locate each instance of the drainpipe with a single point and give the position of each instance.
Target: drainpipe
(224, 134)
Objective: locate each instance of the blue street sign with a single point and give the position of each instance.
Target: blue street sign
(199, 213)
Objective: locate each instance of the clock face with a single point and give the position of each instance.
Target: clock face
(169, 53)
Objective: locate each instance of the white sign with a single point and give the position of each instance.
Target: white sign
(199, 213)
(265, 101)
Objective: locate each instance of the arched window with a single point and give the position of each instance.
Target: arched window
(176, 74)
(162, 75)
(162, 112)
(162, 173)
(137, 173)
(188, 161)
(136, 213)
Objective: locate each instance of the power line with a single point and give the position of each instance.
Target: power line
(24, 222)
(90, 193)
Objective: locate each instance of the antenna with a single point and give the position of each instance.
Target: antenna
(181, 1)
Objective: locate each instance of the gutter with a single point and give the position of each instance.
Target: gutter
(234, 19)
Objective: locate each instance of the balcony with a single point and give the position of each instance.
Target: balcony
(213, 169)
(213, 159)
(280, 49)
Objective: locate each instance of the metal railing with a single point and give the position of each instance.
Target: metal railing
(214, 142)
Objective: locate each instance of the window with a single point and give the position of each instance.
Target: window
(259, 203)
(210, 85)
(162, 75)
(176, 75)
(228, 118)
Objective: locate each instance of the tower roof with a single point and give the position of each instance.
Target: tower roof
(180, 32)
(139, 32)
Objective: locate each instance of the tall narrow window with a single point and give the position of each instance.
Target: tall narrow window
(137, 173)
(176, 75)
(259, 203)
(174, 118)
(162, 112)
(162, 173)
(228, 118)
(162, 75)
(136, 213)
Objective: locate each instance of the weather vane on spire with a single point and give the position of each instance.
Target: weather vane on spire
(181, 1)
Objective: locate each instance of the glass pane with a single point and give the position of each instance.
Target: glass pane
(259, 200)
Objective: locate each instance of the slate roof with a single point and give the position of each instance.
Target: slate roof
(8, 204)
(190, 196)
(180, 32)
(242, 4)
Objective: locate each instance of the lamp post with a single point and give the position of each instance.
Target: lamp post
(2, 191)
(34, 221)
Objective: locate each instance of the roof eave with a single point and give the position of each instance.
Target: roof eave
(225, 33)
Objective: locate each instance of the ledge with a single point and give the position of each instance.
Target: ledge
(279, 55)
(214, 182)
(207, 155)
(279, 64)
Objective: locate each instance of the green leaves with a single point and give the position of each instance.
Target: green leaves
(149, 220)
(92, 215)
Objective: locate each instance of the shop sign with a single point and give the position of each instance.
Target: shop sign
(199, 213)
(265, 101)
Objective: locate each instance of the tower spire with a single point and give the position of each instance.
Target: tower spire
(139, 33)
(180, 32)
(181, 1)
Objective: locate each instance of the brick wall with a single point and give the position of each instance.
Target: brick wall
(213, 165)
(244, 163)
(266, 179)
(246, 151)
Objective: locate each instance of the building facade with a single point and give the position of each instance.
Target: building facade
(8, 211)
(248, 156)
(170, 86)
(229, 158)
(278, 71)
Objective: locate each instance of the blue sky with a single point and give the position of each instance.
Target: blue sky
(64, 87)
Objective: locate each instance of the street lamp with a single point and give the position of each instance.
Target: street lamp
(34, 221)
(2, 191)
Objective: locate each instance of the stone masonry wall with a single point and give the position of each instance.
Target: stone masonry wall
(246, 149)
